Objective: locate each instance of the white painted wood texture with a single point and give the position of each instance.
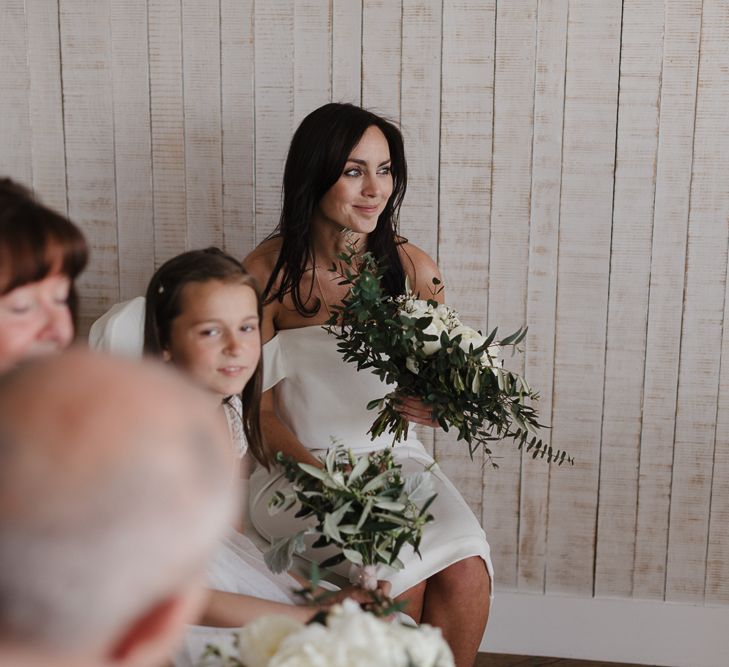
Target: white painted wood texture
(511, 177)
(668, 257)
(466, 124)
(568, 170)
(542, 278)
(637, 145)
(588, 163)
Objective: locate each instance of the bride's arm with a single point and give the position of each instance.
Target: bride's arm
(277, 435)
(420, 270)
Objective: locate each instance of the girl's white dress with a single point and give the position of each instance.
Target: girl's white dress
(319, 396)
(237, 567)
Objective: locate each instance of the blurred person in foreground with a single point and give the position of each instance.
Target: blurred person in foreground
(115, 486)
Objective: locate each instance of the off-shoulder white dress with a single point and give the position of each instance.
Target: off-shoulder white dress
(319, 396)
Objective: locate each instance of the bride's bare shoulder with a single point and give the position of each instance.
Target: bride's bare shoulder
(262, 259)
(419, 267)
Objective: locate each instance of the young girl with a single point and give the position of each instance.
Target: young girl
(203, 315)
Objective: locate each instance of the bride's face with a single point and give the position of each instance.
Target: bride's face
(35, 319)
(358, 198)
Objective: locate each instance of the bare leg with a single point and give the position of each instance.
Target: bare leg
(413, 599)
(457, 601)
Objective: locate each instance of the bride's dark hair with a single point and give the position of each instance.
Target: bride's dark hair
(317, 156)
(164, 303)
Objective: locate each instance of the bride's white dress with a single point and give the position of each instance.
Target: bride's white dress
(319, 397)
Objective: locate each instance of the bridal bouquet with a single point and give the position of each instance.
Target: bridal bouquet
(363, 505)
(349, 636)
(424, 349)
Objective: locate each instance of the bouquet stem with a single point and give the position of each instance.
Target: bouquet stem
(390, 420)
(364, 576)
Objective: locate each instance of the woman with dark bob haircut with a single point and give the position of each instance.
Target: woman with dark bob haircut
(344, 181)
(41, 254)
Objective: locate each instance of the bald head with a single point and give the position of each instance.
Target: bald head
(114, 486)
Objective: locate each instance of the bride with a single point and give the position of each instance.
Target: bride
(344, 181)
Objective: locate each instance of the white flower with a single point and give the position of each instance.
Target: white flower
(352, 637)
(424, 645)
(412, 365)
(470, 338)
(435, 328)
(260, 639)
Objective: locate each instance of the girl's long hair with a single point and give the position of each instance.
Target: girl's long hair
(316, 159)
(163, 305)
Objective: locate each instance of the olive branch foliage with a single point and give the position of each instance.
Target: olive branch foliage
(484, 403)
(363, 505)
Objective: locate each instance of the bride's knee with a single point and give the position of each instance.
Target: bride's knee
(469, 573)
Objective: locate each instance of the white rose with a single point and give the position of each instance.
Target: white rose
(260, 639)
(470, 338)
(424, 645)
(416, 308)
(435, 328)
(307, 648)
(352, 637)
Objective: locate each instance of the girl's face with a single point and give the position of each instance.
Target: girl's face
(216, 336)
(35, 319)
(356, 200)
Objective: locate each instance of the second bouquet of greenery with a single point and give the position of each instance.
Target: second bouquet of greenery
(363, 505)
(424, 349)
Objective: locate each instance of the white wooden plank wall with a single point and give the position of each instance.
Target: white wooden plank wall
(516, 24)
(466, 124)
(673, 182)
(637, 145)
(588, 159)
(551, 49)
(568, 170)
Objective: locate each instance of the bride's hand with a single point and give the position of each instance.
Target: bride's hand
(360, 595)
(414, 410)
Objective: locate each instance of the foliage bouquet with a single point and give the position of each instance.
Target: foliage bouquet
(426, 351)
(348, 636)
(362, 505)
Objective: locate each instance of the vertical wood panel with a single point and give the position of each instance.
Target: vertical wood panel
(381, 56)
(717, 577)
(421, 64)
(15, 151)
(703, 317)
(46, 103)
(133, 161)
(637, 145)
(542, 279)
(168, 128)
(312, 56)
(673, 177)
(203, 137)
(421, 67)
(274, 43)
(465, 193)
(584, 254)
(509, 249)
(238, 108)
(347, 51)
(87, 95)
